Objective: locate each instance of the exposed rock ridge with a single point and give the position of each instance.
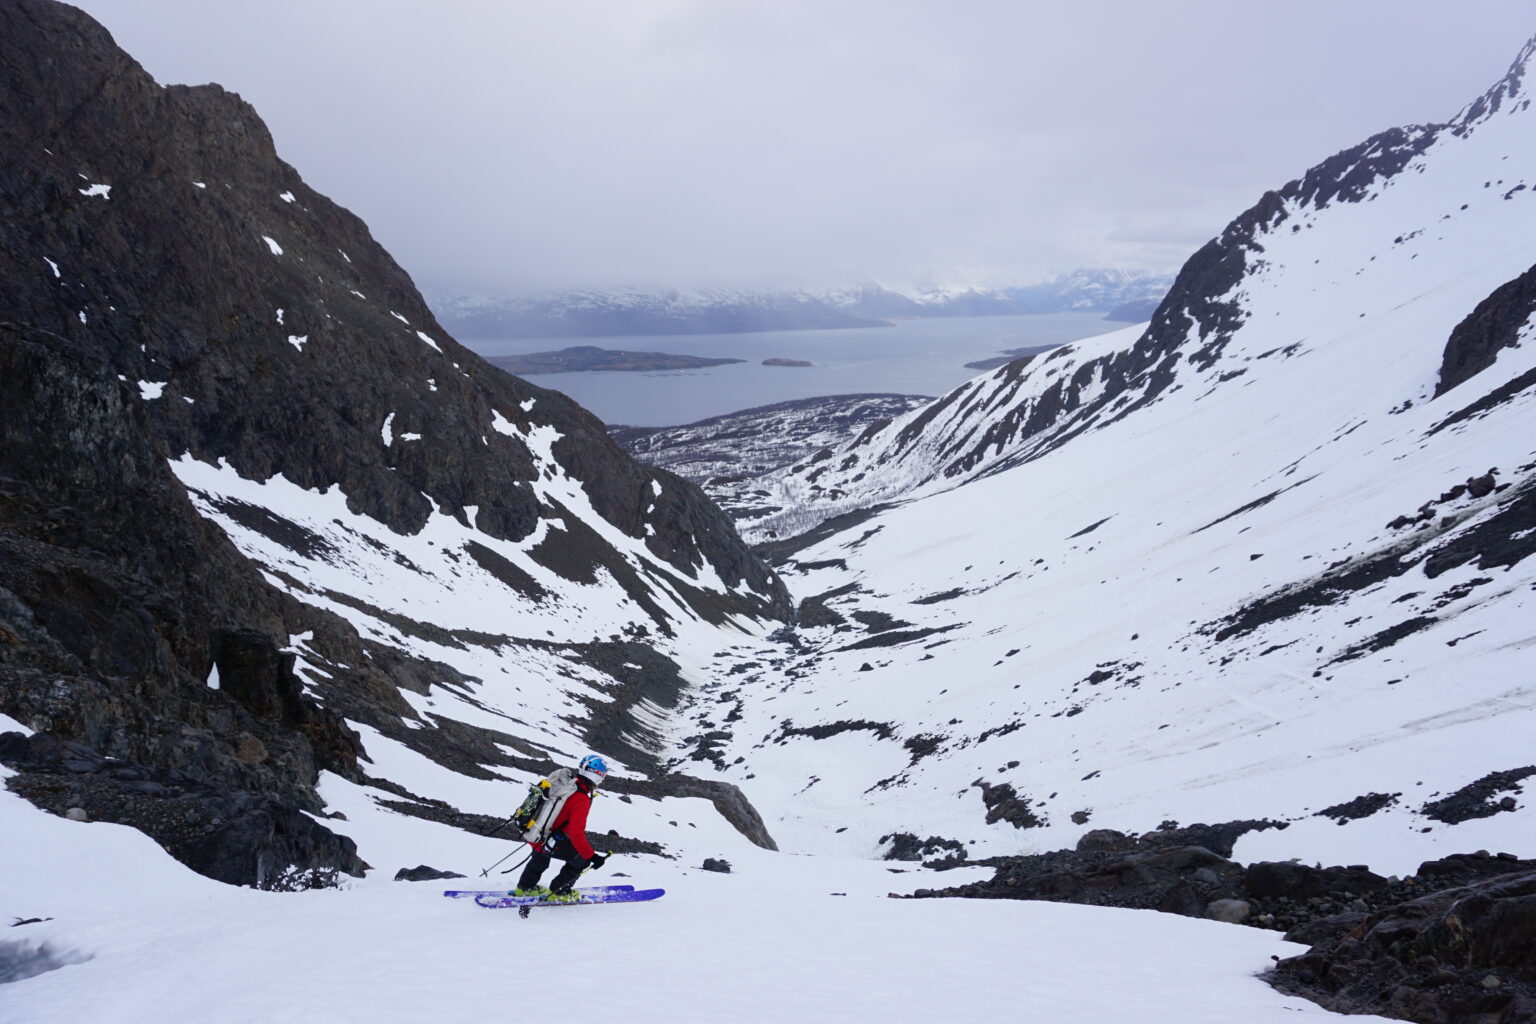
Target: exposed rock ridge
(1496, 324)
(279, 336)
(1503, 95)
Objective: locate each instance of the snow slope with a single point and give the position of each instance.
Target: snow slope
(779, 938)
(1229, 566)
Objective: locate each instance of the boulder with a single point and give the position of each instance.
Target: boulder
(1287, 880)
(1230, 911)
(423, 873)
(1101, 839)
(1326, 929)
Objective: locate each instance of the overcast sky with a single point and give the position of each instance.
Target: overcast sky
(511, 145)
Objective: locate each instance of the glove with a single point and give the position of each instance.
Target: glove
(596, 861)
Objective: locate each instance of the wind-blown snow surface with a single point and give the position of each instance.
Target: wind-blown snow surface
(1182, 598)
(780, 938)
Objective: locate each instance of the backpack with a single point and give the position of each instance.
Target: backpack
(545, 798)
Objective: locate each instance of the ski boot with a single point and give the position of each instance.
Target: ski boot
(537, 890)
(568, 896)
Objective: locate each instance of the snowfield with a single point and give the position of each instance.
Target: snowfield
(780, 938)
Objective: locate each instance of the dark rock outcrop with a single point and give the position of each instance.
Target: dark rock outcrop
(235, 836)
(1003, 803)
(1482, 798)
(1454, 942)
(1491, 327)
(728, 800)
(1462, 954)
(1360, 807)
(1273, 880)
(115, 593)
(907, 846)
(423, 873)
(1178, 870)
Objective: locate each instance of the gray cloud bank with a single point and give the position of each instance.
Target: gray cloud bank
(522, 145)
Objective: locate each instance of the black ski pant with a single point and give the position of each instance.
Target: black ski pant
(557, 848)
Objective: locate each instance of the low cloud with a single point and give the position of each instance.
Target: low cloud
(521, 146)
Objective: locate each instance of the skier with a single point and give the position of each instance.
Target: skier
(567, 839)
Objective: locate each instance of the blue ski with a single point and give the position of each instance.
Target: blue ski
(587, 897)
(459, 894)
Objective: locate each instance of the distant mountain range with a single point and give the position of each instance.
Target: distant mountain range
(1124, 295)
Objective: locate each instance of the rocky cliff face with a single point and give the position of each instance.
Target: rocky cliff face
(268, 328)
(176, 296)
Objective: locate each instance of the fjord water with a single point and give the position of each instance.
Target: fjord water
(913, 357)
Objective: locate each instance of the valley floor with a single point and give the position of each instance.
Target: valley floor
(782, 937)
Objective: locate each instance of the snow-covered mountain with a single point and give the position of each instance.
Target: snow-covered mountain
(1269, 554)
(1091, 290)
(723, 310)
(295, 588)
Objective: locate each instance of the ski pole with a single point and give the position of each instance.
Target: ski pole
(487, 871)
(498, 828)
(514, 867)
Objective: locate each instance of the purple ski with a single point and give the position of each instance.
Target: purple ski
(460, 894)
(526, 903)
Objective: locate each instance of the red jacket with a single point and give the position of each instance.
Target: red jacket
(572, 820)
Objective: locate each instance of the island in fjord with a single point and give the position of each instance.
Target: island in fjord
(590, 357)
